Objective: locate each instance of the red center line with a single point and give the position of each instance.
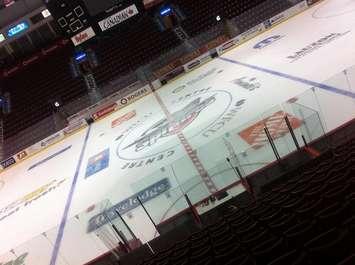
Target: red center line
(188, 148)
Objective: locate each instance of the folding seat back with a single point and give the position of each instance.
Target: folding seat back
(330, 247)
(282, 224)
(256, 238)
(348, 261)
(205, 261)
(307, 211)
(291, 258)
(336, 193)
(268, 250)
(240, 260)
(329, 217)
(300, 233)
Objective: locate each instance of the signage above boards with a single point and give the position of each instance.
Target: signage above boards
(118, 17)
(82, 20)
(17, 29)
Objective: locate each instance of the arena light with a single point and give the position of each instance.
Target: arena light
(166, 11)
(46, 13)
(56, 104)
(80, 56)
(218, 18)
(2, 37)
(15, 30)
(8, 3)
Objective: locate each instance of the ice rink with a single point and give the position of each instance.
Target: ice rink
(120, 155)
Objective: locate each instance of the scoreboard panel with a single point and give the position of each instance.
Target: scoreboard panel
(82, 20)
(71, 16)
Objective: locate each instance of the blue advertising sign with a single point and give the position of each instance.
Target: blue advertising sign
(19, 28)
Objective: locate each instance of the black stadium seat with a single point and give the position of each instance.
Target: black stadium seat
(291, 258)
(330, 247)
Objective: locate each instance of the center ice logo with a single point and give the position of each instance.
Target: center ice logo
(196, 114)
(163, 128)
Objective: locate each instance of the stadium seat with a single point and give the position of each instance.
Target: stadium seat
(268, 250)
(300, 233)
(330, 247)
(330, 216)
(291, 258)
(348, 261)
(241, 260)
(307, 210)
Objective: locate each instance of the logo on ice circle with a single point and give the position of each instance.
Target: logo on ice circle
(196, 114)
(181, 119)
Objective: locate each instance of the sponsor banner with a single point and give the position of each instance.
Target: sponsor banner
(97, 163)
(227, 45)
(52, 139)
(175, 64)
(197, 62)
(129, 204)
(312, 2)
(34, 149)
(214, 43)
(83, 36)
(251, 33)
(156, 84)
(286, 14)
(21, 155)
(255, 134)
(8, 162)
(191, 56)
(105, 111)
(300, 7)
(82, 114)
(118, 18)
(87, 113)
(75, 126)
(122, 119)
(254, 31)
(276, 19)
(130, 98)
(173, 74)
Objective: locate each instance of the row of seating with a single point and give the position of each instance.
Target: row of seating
(202, 14)
(33, 88)
(260, 13)
(307, 219)
(132, 47)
